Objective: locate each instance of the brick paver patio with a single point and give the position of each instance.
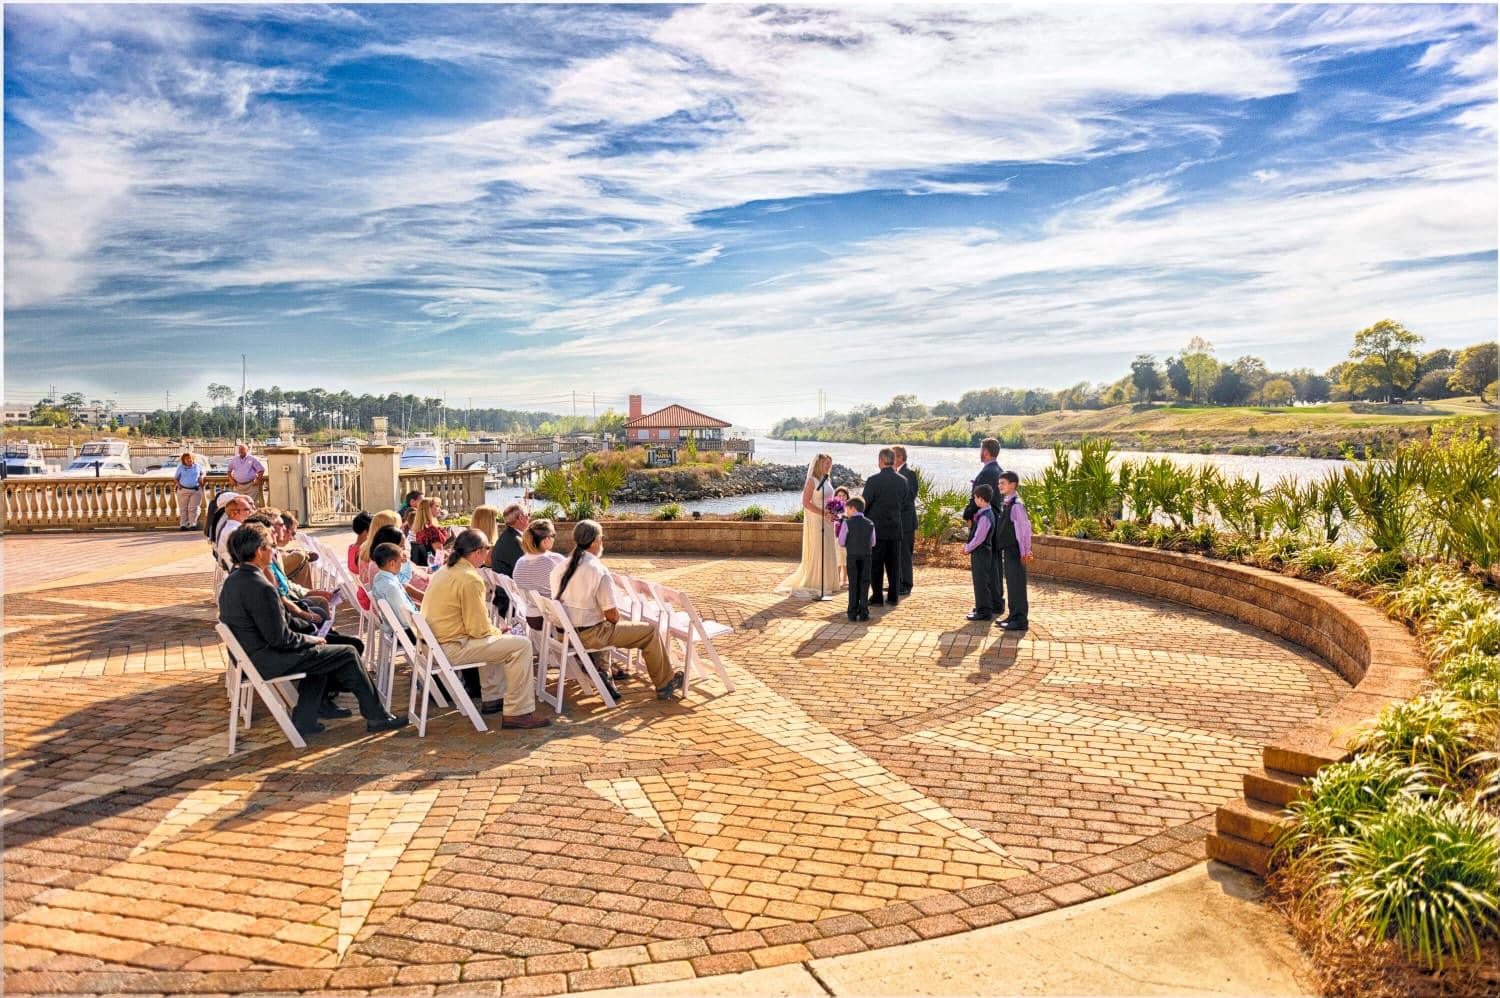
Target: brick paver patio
(866, 785)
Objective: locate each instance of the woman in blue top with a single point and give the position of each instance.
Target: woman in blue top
(189, 478)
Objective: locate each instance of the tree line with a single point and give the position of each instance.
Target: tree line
(1386, 364)
(315, 410)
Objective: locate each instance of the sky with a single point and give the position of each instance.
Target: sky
(731, 206)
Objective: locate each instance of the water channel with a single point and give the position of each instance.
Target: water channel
(950, 467)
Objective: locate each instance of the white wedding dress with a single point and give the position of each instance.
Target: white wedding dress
(819, 567)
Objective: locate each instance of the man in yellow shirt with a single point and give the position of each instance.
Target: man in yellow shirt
(454, 608)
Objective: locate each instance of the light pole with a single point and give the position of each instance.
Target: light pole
(243, 438)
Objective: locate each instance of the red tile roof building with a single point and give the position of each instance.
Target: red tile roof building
(666, 427)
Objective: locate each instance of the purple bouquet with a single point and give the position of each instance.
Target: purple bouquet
(834, 506)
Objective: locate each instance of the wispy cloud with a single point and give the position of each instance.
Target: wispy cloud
(599, 186)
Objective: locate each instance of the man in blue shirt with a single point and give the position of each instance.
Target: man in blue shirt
(189, 477)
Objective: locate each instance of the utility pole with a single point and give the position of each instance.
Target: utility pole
(179, 419)
(244, 438)
(594, 397)
(575, 402)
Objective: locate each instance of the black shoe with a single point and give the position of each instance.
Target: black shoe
(619, 675)
(978, 615)
(328, 708)
(674, 685)
(492, 707)
(389, 722)
(892, 601)
(853, 617)
(906, 592)
(316, 728)
(1012, 625)
(877, 602)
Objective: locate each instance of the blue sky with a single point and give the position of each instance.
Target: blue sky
(731, 206)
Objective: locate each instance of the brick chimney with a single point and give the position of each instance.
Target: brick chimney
(635, 407)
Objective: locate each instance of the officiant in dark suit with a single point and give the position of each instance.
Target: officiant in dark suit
(908, 518)
(989, 474)
(885, 495)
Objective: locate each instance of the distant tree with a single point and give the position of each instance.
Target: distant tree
(1365, 380)
(72, 401)
(946, 409)
(1433, 384)
(1387, 351)
(1252, 373)
(1178, 379)
(1228, 387)
(984, 402)
(610, 421)
(1202, 369)
(1278, 391)
(1311, 386)
(1146, 377)
(1475, 369)
(903, 408)
(1436, 360)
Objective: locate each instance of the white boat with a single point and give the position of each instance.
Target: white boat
(421, 452)
(168, 470)
(23, 459)
(335, 459)
(101, 459)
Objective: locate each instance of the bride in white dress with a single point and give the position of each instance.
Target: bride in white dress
(819, 568)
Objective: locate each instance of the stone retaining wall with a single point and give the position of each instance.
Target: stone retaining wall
(720, 538)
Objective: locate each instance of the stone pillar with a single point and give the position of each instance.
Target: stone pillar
(286, 429)
(286, 478)
(474, 488)
(381, 424)
(380, 477)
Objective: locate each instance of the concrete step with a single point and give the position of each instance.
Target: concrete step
(1237, 852)
(1251, 820)
(1301, 756)
(1274, 786)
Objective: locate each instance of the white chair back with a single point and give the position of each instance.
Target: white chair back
(246, 683)
(685, 624)
(574, 660)
(440, 669)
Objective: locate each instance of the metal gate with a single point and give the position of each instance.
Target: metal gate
(332, 496)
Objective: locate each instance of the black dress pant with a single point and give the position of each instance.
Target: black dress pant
(908, 545)
(859, 586)
(981, 568)
(997, 581)
(1015, 584)
(885, 565)
(325, 664)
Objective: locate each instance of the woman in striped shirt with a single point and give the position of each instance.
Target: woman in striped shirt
(533, 571)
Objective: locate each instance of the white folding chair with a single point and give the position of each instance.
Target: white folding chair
(648, 604)
(574, 661)
(415, 661)
(494, 580)
(245, 684)
(685, 624)
(437, 667)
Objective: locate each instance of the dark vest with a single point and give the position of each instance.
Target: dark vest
(990, 542)
(857, 539)
(1005, 530)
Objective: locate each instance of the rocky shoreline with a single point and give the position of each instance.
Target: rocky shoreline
(691, 484)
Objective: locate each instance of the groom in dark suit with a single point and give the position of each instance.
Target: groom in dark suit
(989, 453)
(885, 495)
(908, 518)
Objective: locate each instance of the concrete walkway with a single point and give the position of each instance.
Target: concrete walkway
(1199, 932)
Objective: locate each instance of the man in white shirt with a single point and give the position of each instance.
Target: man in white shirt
(582, 586)
(236, 508)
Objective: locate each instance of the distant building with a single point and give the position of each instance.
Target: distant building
(14, 412)
(672, 425)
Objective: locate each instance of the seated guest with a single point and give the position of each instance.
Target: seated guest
(485, 519)
(508, 548)
(250, 607)
(582, 586)
(410, 505)
(361, 528)
(388, 588)
(237, 509)
(455, 609)
(413, 580)
(534, 569)
(295, 562)
(427, 532)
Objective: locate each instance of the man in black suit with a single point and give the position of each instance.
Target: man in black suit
(507, 549)
(884, 495)
(908, 518)
(989, 453)
(250, 606)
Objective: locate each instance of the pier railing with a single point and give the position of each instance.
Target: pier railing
(458, 491)
(100, 503)
(332, 496)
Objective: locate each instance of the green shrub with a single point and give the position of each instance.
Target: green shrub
(1126, 532)
(1277, 551)
(1202, 536)
(1159, 535)
(1422, 590)
(1346, 794)
(1317, 560)
(1423, 873)
(753, 513)
(1089, 529)
(1467, 626)
(1373, 568)
(799, 516)
(1434, 730)
(1237, 548)
(1472, 676)
(671, 511)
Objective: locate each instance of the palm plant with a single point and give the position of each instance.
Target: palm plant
(1383, 494)
(582, 492)
(1330, 499)
(1290, 506)
(1241, 506)
(1097, 488)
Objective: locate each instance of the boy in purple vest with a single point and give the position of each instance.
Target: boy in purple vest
(856, 535)
(1013, 538)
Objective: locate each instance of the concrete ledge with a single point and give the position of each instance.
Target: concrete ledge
(721, 538)
(1378, 657)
